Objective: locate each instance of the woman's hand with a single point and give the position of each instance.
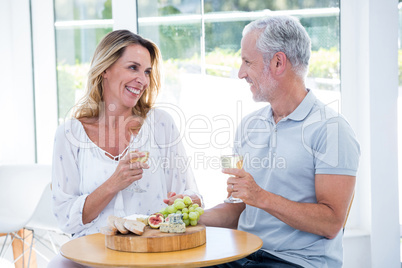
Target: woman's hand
(172, 196)
(127, 172)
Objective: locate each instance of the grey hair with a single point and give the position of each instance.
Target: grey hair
(283, 34)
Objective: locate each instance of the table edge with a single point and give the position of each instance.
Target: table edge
(193, 264)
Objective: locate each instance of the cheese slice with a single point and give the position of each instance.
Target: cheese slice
(172, 227)
(164, 227)
(177, 228)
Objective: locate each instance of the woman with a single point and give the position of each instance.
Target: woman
(92, 172)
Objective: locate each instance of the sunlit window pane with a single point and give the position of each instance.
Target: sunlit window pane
(175, 26)
(152, 8)
(79, 27)
(253, 5)
(200, 44)
(66, 10)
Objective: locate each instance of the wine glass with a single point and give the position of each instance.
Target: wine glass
(135, 144)
(232, 161)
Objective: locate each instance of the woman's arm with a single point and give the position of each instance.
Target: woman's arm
(76, 210)
(68, 201)
(126, 173)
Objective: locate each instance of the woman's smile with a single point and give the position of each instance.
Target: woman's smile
(133, 90)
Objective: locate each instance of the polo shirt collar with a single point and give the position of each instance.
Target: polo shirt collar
(300, 113)
(304, 108)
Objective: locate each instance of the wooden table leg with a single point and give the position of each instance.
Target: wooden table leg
(19, 247)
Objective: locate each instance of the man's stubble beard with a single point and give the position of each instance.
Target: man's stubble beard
(265, 90)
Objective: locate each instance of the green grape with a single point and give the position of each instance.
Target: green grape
(179, 212)
(193, 216)
(198, 215)
(193, 223)
(185, 215)
(171, 209)
(184, 210)
(200, 210)
(179, 205)
(163, 210)
(177, 200)
(186, 221)
(191, 209)
(195, 205)
(187, 200)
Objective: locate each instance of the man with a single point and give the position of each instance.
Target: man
(300, 157)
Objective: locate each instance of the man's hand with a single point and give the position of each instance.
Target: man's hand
(242, 185)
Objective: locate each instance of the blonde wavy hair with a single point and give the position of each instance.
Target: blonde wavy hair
(108, 51)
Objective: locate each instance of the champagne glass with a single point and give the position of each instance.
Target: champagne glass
(135, 144)
(232, 161)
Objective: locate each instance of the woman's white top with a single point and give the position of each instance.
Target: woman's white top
(80, 166)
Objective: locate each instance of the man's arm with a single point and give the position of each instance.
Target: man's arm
(325, 218)
(223, 215)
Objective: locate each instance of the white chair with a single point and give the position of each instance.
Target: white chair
(43, 221)
(21, 188)
(347, 213)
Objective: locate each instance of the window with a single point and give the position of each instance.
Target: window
(79, 26)
(200, 44)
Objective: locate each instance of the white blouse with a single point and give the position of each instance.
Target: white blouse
(80, 166)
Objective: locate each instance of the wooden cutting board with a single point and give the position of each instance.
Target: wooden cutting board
(153, 240)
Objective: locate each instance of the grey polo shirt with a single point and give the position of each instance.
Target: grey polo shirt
(283, 158)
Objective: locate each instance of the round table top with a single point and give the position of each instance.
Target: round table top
(223, 245)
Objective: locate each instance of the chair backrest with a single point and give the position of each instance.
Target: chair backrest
(21, 187)
(43, 217)
(347, 213)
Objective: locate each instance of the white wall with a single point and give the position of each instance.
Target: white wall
(369, 72)
(28, 95)
(383, 90)
(17, 134)
(125, 14)
(45, 78)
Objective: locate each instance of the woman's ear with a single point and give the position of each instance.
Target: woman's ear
(279, 63)
(104, 74)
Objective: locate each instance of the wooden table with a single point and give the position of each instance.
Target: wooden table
(223, 245)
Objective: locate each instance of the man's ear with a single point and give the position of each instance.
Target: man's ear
(279, 63)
